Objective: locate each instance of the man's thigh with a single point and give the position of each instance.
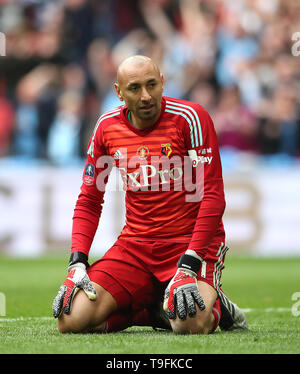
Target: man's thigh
(126, 278)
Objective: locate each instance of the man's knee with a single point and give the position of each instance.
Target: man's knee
(200, 324)
(203, 322)
(80, 315)
(77, 325)
(87, 315)
(68, 323)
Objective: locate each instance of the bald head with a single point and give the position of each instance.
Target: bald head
(134, 63)
(140, 85)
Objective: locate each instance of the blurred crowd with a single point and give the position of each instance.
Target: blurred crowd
(233, 57)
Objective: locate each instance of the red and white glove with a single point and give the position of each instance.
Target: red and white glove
(77, 278)
(182, 293)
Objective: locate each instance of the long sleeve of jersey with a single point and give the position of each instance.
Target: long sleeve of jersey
(207, 174)
(88, 207)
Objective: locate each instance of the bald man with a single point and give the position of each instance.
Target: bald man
(145, 110)
(172, 248)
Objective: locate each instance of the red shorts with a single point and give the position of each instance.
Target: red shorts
(136, 273)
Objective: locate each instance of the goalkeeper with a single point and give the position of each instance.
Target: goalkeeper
(165, 268)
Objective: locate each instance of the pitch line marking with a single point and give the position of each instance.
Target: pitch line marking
(246, 310)
(17, 319)
(267, 310)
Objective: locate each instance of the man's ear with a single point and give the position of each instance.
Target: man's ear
(162, 79)
(118, 91)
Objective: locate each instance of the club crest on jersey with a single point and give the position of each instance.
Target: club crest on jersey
(89, 174)
(166, 149)
(142, 152)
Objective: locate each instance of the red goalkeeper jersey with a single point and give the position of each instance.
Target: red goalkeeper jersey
(171, 172)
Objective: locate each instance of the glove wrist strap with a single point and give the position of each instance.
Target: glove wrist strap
(78, 257)
(189, 262)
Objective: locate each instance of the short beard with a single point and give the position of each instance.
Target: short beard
(148, 116)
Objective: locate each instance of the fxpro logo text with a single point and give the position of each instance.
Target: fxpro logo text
(157, 173)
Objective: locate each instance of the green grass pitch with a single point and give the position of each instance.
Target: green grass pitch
(262, 286)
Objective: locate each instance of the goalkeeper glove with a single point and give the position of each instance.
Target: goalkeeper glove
(77, 278)
(182, 294)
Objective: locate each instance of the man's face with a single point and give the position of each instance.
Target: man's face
(141, 88)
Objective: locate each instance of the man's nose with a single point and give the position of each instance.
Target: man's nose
(145, 95)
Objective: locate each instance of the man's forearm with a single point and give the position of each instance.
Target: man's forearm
(208, 221)
(85, 222)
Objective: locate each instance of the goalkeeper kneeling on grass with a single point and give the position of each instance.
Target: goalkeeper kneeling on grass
(165, 268)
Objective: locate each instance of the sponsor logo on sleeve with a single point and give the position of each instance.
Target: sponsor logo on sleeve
(196, 159)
